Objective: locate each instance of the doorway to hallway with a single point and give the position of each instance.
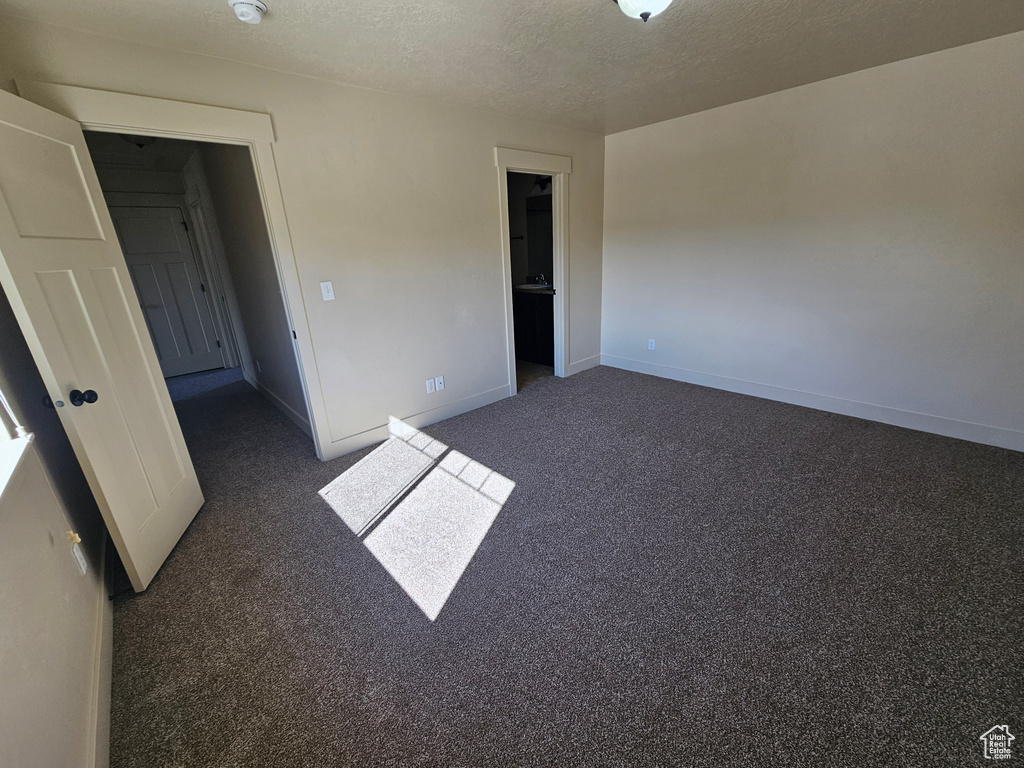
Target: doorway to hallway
(191, 227)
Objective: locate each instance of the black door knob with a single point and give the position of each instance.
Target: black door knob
(78, 397)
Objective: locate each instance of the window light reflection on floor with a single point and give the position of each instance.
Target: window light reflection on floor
(421, 509)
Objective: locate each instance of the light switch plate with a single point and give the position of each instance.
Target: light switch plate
(327, 289)
(430, 386)
(439, 382)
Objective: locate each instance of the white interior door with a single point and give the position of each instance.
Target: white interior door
(173, 298)
(68, 283)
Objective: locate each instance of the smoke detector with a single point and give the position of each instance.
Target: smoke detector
(249, 11)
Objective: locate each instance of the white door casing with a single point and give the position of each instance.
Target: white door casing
(173, 297)
(129, 113)
(70, 289)
(558, 167)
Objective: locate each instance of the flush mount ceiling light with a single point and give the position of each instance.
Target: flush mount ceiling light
(138, 141)
(250, 11)
(643, 9)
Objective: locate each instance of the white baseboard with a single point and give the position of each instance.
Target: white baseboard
(300, 420)
(581, 365)
(923, 422)
(380, 433)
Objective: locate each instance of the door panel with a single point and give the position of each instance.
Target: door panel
(156, 447)
(46, 191)
(69, 286)
(152, 303)
(166, 276)
(86, 363)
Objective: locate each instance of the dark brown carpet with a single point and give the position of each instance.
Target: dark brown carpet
(682, 576)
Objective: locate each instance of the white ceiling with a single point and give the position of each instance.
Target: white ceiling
(578, 63)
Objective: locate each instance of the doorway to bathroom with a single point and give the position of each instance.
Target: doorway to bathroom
(533, 190)
(531, 250)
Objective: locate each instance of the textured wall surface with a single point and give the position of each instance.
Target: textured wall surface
(579, 63)
(853, 245)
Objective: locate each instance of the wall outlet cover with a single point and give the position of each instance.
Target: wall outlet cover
(430, 386)
(80, 557)
(439, 382)
(327, 289)
(650, 343)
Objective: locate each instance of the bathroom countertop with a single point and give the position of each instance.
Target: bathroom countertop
(535, 291)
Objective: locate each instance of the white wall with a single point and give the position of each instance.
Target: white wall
(50, 646)
(56, 625)
(855, 245)
(235, 199)
(416, 264)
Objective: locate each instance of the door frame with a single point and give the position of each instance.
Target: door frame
(204, 281)
(112, 112)
(558, 167)
(209, 269)
(205, 234)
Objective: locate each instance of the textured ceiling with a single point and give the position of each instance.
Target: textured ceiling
(578, 63)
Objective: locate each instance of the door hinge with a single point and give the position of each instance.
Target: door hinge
(185, 225)
(218, 343)
(294, 336)
(202, 288)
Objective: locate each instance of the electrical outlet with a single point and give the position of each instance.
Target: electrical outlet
(430, 386)
(650, 343)
(327, 289)
(439, 382)
(80, 557)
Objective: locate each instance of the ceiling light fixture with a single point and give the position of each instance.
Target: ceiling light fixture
(249, 11)
(138, 141)
(643, 9)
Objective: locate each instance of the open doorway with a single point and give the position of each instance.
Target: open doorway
(531, 248)
(545, 177)
(190, 223)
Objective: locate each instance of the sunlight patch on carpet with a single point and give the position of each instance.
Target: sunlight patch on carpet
(431, 509)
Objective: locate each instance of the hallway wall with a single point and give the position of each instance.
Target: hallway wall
(250, 260)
